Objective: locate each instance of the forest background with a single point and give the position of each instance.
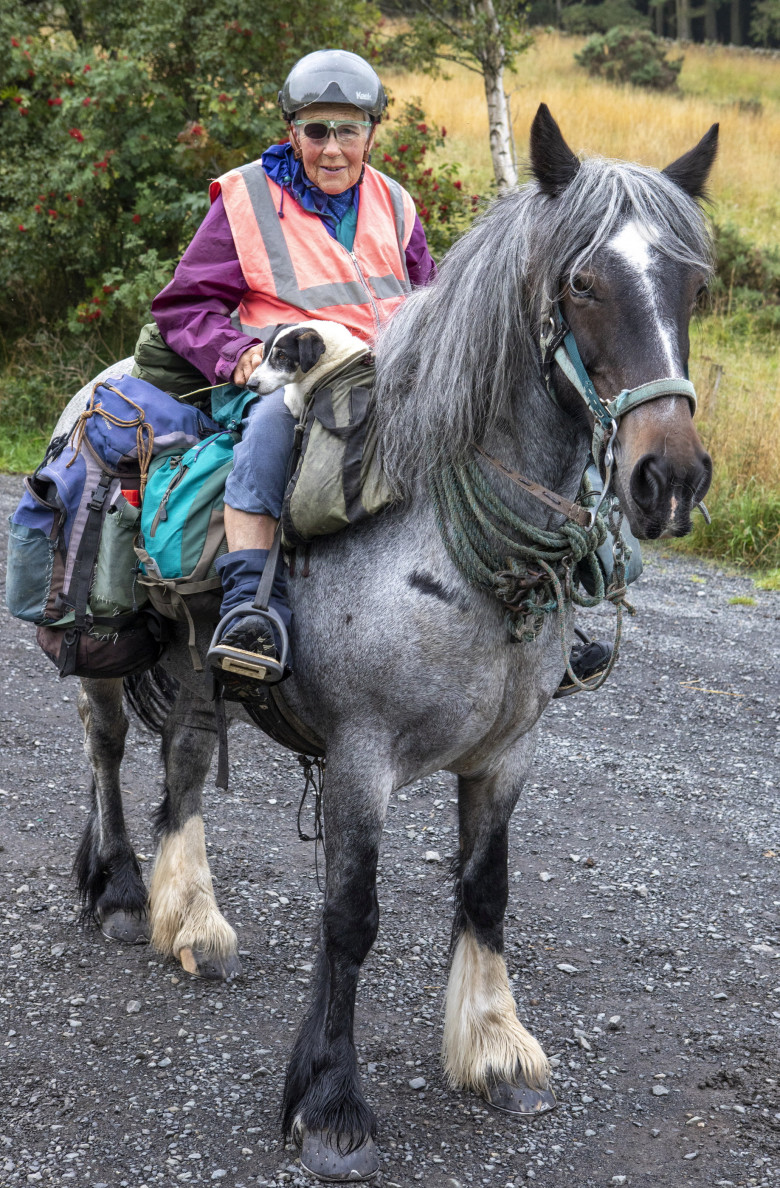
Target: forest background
(113, 117)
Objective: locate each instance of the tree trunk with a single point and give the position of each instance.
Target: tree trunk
(492, 60)
(659, 19)
(710, 21)
(683, 20)
(736, 23)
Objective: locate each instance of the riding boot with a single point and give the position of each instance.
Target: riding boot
(587, 659)
(254, 632)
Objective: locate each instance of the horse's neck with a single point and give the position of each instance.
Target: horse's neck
(545, 445)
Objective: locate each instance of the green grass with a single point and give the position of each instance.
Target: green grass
(768, 581)
(742, 600)
(20, 451)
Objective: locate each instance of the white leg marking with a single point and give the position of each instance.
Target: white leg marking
(482, 1035)
(183, 909)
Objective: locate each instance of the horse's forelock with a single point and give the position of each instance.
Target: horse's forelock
(456, 354)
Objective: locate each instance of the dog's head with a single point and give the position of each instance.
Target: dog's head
(290, 352)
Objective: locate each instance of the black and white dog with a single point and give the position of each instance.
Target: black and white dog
(299, 357)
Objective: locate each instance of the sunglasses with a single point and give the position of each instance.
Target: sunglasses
(345, 131)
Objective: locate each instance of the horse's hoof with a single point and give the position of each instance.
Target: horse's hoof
(520, 1100)
(125, 927)
(320, 1156)
(210, 966)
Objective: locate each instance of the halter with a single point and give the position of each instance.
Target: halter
(558, 344)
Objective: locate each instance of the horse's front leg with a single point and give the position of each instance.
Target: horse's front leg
(486, 1049)
(324, 1107)
(186, 922)
(106, 868)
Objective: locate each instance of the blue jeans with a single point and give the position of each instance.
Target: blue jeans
(258, 478)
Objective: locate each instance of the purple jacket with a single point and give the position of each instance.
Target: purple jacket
(193, 311)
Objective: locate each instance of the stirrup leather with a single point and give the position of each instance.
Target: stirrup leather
(242, 663)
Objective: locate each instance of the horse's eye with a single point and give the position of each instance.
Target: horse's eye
(581, 288)
(702, 293)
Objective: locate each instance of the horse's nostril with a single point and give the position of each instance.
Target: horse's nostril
(649, 481)
(703, 477)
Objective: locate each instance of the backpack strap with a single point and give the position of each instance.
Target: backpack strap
(77, 596)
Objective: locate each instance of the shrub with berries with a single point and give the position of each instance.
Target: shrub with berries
(110, 134)
(406, 150)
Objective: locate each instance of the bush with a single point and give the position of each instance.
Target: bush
(631, 55)
(404, 152)
(745, 269)
(110, 132)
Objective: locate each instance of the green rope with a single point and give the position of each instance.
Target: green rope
(529, 570)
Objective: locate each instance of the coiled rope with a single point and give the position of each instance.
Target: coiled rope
(529, 570)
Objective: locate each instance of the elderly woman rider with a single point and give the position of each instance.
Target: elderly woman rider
(310, 230)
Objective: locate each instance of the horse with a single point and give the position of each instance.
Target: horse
(404, 663)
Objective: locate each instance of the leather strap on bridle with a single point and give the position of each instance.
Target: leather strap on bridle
(573, 511)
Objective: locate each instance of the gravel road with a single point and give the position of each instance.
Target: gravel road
(642, 939)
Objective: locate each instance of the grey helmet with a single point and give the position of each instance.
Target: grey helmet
(333, 76)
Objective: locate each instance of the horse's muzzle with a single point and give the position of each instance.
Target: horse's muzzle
(664, 491)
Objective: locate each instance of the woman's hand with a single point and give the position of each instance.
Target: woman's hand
(247, 363)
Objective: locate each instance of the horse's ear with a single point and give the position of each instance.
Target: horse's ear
(553, 163)
(691, 170)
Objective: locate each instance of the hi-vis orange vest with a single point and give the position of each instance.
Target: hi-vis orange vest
(296, 271)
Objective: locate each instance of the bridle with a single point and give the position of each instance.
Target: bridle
(558, 345)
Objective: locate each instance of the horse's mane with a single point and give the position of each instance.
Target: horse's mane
(454, 355)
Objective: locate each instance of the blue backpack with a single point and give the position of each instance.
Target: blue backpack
(71, 565)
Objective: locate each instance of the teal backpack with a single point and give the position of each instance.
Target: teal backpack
(182, 519)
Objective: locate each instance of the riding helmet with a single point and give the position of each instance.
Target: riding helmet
(333, 76)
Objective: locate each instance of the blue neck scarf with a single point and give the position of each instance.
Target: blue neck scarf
(281, 166)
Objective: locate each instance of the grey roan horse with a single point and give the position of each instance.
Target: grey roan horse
(401, 665)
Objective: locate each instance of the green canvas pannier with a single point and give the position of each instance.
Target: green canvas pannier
(338, 478)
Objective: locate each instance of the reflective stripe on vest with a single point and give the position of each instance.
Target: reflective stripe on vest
(360, 289)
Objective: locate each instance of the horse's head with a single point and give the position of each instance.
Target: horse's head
(627, 296)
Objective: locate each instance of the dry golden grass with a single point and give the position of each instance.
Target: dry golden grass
(737, 379)
(736, 370)
(598, 118)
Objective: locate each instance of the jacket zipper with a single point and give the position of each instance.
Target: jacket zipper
(364, 283)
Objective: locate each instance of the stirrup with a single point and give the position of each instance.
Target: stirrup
(240, 663)
(567, 687)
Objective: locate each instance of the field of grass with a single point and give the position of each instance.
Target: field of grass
(738, 89)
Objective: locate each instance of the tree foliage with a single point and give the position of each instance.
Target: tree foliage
(113, 117)
(445, 209)
(485, 36)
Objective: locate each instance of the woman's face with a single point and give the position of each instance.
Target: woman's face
(331, 166)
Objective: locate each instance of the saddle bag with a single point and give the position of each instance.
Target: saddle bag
(338, 478)
(182, 525)
(71, 566)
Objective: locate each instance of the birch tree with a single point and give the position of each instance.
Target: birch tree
(485, 36)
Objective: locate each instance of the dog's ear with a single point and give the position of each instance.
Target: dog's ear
(276, 332)
(309, 347)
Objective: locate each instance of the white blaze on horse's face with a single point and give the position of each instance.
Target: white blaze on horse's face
(634, 243)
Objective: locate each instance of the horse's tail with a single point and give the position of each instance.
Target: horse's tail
(151, 695)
